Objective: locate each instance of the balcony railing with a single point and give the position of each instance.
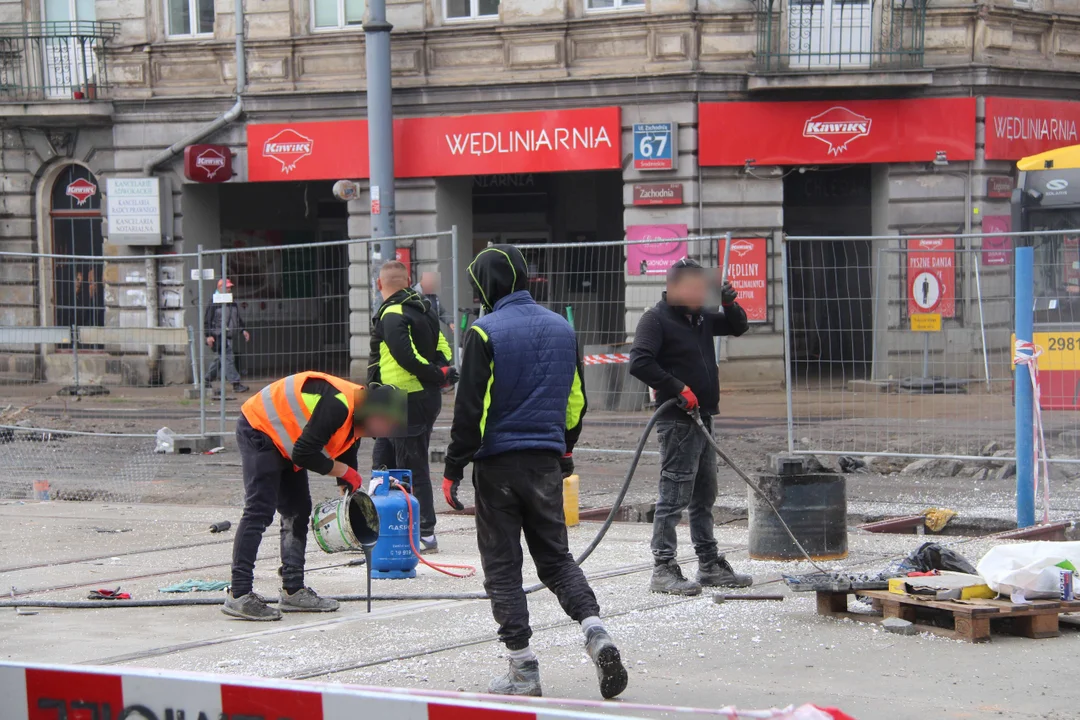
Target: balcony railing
(54, 60)
(822, 35)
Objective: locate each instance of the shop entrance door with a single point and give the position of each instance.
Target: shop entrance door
(75, 216)
(830, 280)
(829, 33)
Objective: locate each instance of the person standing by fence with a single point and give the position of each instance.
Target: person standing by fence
(673, 353)
(409, 350)
(221, 323)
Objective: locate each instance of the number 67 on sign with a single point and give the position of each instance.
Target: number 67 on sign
(654, 146)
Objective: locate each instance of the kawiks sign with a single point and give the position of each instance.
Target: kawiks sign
(840, 132)
(529, 142)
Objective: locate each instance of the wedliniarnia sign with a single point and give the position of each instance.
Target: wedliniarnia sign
(134, 211)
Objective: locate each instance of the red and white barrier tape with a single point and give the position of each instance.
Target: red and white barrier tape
(1031, 361)
(49, 692)
(608, 359)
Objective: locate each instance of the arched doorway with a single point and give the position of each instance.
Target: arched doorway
(75, 214)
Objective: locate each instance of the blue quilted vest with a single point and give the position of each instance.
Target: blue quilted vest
(535, 354)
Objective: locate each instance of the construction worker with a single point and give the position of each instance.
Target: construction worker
(409, 350)
(673, 353)
(221, 322)
(308, 421)
(518, 414)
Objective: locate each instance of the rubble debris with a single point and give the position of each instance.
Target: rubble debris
(938, 518)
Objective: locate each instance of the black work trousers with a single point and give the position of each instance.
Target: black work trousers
(271, 483)
(515, 492)
(411, 453)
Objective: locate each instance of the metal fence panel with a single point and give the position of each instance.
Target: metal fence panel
(902, 346)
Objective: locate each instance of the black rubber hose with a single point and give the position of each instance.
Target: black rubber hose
(477, 595)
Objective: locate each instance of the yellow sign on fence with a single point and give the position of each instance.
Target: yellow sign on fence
(926, 322)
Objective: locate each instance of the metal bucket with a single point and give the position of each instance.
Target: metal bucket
(814, 505)
(350, 522)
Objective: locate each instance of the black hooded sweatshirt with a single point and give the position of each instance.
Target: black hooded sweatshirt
(496, 273)
(673, 348)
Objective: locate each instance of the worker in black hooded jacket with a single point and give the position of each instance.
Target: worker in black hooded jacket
(409, 351)
(517, 416)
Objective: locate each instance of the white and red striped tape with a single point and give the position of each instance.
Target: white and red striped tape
(51, 692)
(608, 359)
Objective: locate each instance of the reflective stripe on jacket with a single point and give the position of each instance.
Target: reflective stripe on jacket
(282, 411)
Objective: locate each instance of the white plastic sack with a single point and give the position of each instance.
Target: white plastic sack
(165, 441)
(1027, 570)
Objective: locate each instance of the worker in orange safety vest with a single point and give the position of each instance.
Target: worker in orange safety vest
(307, 421)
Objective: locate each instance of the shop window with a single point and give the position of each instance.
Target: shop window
(470, 9)
(189, 18)
(614, 4)
(75, 213)
(337, 14)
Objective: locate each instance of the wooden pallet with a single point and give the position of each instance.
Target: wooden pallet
(970, 619)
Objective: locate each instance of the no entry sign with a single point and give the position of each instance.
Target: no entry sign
(931, 276)
(748, 273)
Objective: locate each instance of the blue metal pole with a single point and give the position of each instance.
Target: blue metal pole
(1025, 444)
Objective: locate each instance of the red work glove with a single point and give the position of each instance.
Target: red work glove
(687, 399)
(449, 491)
(450, 375)
(350, 481)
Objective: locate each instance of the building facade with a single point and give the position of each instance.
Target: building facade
(516, 122)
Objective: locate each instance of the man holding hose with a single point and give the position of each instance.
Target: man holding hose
(673, 353)
(518, 414)
(308, 421)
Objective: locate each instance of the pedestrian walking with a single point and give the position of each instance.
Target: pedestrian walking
(221, 322)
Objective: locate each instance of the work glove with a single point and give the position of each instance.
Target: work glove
(728, 294)
(566, 463)
(350, 481)
(449, 491)
(450, 375)
(687, 399)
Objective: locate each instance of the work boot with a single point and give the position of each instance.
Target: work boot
(240, 387)
(429, 545)
(249, 607)
(668, 578)
(523, 679)
(719, 573)
(609, 667)
(305, 600)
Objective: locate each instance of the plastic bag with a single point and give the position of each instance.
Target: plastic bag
(165, 441)
(931, 556)
(1028, 570)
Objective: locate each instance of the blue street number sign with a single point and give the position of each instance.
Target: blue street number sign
(654, 146)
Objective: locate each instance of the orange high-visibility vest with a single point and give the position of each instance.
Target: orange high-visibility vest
(279, 411)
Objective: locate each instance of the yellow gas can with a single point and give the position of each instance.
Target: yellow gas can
(571, 500)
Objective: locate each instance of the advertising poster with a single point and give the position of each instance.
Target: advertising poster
(996, 250)
(748, 274)
(655, 258)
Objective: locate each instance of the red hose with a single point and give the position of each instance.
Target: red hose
(440, 567)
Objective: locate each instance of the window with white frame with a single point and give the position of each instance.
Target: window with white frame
(470, 9)
(188, 18)
(613, 4)
(333, 14)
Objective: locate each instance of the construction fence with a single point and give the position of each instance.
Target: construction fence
(903, 346)
(898, 346)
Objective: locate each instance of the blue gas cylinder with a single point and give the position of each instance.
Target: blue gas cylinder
(392, 557)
